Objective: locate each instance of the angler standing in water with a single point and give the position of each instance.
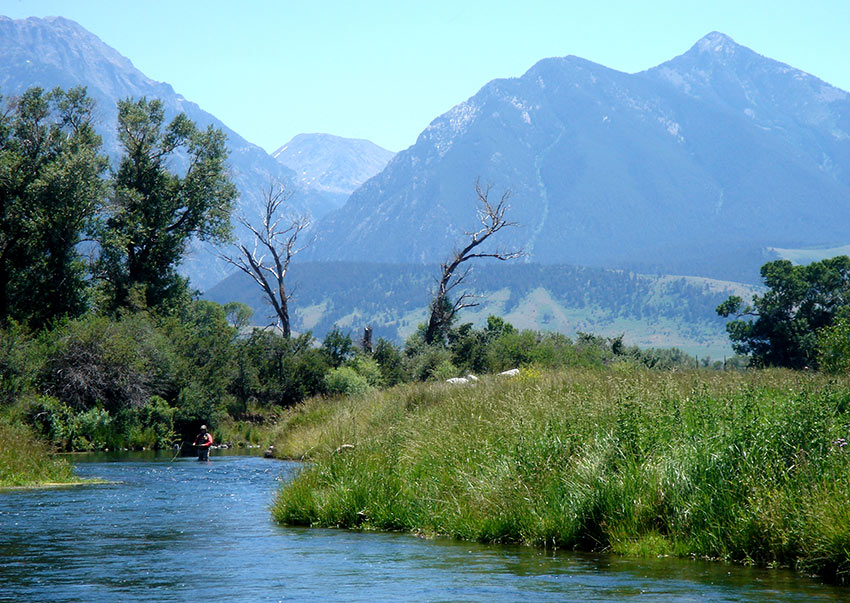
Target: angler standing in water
(203, 443)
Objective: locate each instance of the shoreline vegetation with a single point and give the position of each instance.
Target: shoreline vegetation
(26, 462)
(743, 466)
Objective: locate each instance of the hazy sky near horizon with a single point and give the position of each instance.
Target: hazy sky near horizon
(382, 70)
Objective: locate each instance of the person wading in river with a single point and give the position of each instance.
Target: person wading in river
(203, 443)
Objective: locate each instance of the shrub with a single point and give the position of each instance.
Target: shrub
(444, 370)
(157, 418)
(283, 371)
(368, 369)
(423, 363)
(95, 361)
(52, 420)
(512, 350)
(93, 430)
(337, 347)
(834, 347)
(345, 381)
(66, 429)
(18, 363)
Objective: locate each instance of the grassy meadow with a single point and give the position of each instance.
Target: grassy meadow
(750, 467)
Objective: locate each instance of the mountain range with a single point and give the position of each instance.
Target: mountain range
(697, 166)
(334, 165)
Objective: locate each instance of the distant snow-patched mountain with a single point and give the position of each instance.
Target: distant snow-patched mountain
(696, 166)
(332, 165)
(55, 51)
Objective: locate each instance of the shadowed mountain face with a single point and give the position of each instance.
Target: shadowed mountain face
(693, 167)
(55, 51)
(332, 165)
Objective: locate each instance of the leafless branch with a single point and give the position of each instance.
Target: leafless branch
(492, 219)
(275, 244)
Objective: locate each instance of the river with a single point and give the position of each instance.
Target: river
(184, 530)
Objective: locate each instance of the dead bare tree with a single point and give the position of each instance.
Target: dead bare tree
(275, 244)
(443, 309)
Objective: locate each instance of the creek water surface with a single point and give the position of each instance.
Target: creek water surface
(185, 530)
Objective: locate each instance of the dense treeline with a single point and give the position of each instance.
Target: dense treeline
(143, 379)
(101, 341)
(77, 236)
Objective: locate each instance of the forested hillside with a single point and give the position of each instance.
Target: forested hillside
(393, 299)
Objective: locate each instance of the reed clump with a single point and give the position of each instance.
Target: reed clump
(751, 467)
(26, 461)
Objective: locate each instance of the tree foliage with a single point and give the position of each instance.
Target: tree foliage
(780, 327)
(51, 191)
(154, 212)
(834, 344)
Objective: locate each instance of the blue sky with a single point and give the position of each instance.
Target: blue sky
(382, 70)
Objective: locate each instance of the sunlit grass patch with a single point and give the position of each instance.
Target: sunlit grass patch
(736, 466)
(25, 461)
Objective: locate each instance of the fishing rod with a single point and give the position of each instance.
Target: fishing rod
(179, 450)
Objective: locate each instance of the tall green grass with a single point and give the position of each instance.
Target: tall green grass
(25, 461)
(747, 467)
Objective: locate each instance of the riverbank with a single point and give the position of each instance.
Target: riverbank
(26, 462)
(750, 467)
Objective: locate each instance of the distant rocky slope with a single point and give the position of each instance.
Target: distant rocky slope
(55, 51)
(696, 166)
(332, 165)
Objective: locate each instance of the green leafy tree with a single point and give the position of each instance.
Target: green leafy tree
(389, 360)
(337, 347)
(780, 328)
(470, 346)
(154, 213)
(204, 342)
(238, 314)
(287, 369)
(50, 193)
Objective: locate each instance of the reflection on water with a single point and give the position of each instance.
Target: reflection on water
(182, 530)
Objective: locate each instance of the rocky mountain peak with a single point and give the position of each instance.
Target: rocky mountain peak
(332, 164)
(693, 167)
(60, 43)
(716, 43)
